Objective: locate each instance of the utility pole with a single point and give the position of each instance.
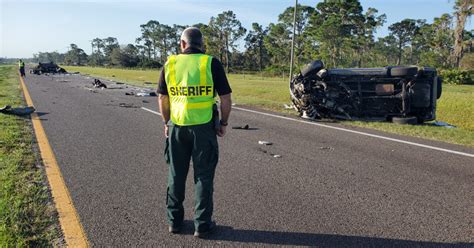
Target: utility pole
(92, 46)
(293, 41)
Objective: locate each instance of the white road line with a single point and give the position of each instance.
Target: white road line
(346, 130)
(151, 111)
(358, 132)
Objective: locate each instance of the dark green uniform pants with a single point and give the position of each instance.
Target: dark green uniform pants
(198, 143)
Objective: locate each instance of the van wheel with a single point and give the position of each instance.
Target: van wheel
(405, 120)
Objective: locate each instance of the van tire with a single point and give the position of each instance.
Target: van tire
(405, 120)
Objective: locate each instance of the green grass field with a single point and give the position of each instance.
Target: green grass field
(455, 106)
(26, 217)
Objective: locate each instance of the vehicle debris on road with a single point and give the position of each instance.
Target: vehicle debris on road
(98, 84)
(50, 67)
(127, 105)
(263, 142)
(21, 111)
(326, 148)
(246, 127)
(146, 94)
(269, 153)
(404, 94)
(442, 124)
(141, 94)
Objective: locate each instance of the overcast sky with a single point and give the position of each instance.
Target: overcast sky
(28, 27)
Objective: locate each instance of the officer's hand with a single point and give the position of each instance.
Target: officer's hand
(166, 131)
(221, 131)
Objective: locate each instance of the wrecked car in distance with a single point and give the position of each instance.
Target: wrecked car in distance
(50, 67)
(402, 94)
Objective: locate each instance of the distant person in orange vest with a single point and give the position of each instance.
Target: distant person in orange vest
(21, 66)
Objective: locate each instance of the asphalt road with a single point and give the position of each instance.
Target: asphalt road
(330, 188)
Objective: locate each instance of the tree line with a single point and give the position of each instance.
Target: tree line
(340, 33)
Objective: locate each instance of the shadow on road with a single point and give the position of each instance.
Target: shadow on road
(226, 233)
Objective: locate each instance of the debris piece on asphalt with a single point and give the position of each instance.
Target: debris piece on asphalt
(262, 150)
(269, 153)
(263, 142)
(142, 94)
(127, 105)
(326, 148)
(17, 111)
(145, 101)
(145, 94)
(93, 91)
(443, 124)
(129, 93)
(246, 127)
(119, 83)
(98, 84)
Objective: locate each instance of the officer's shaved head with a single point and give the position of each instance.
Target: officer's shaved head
(192, 36)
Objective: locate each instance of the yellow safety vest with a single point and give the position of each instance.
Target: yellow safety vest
(21, 64)
(190, 88)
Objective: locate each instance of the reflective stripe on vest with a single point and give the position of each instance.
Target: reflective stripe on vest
(190, 88)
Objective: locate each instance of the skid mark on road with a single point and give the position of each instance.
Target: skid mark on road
(346, 130)
(73, 231)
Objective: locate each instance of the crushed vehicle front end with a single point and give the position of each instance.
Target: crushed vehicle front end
(398, 92)
(51, 67)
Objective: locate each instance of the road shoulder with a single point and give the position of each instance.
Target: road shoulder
(71, 226)
(26, 210)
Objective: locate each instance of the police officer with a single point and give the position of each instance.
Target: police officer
(21, 66)
(187, 87)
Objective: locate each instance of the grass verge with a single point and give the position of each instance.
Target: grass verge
(27, 218)
(455, 106)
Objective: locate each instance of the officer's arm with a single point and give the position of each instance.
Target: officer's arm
(164, 103)
(226, 106)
